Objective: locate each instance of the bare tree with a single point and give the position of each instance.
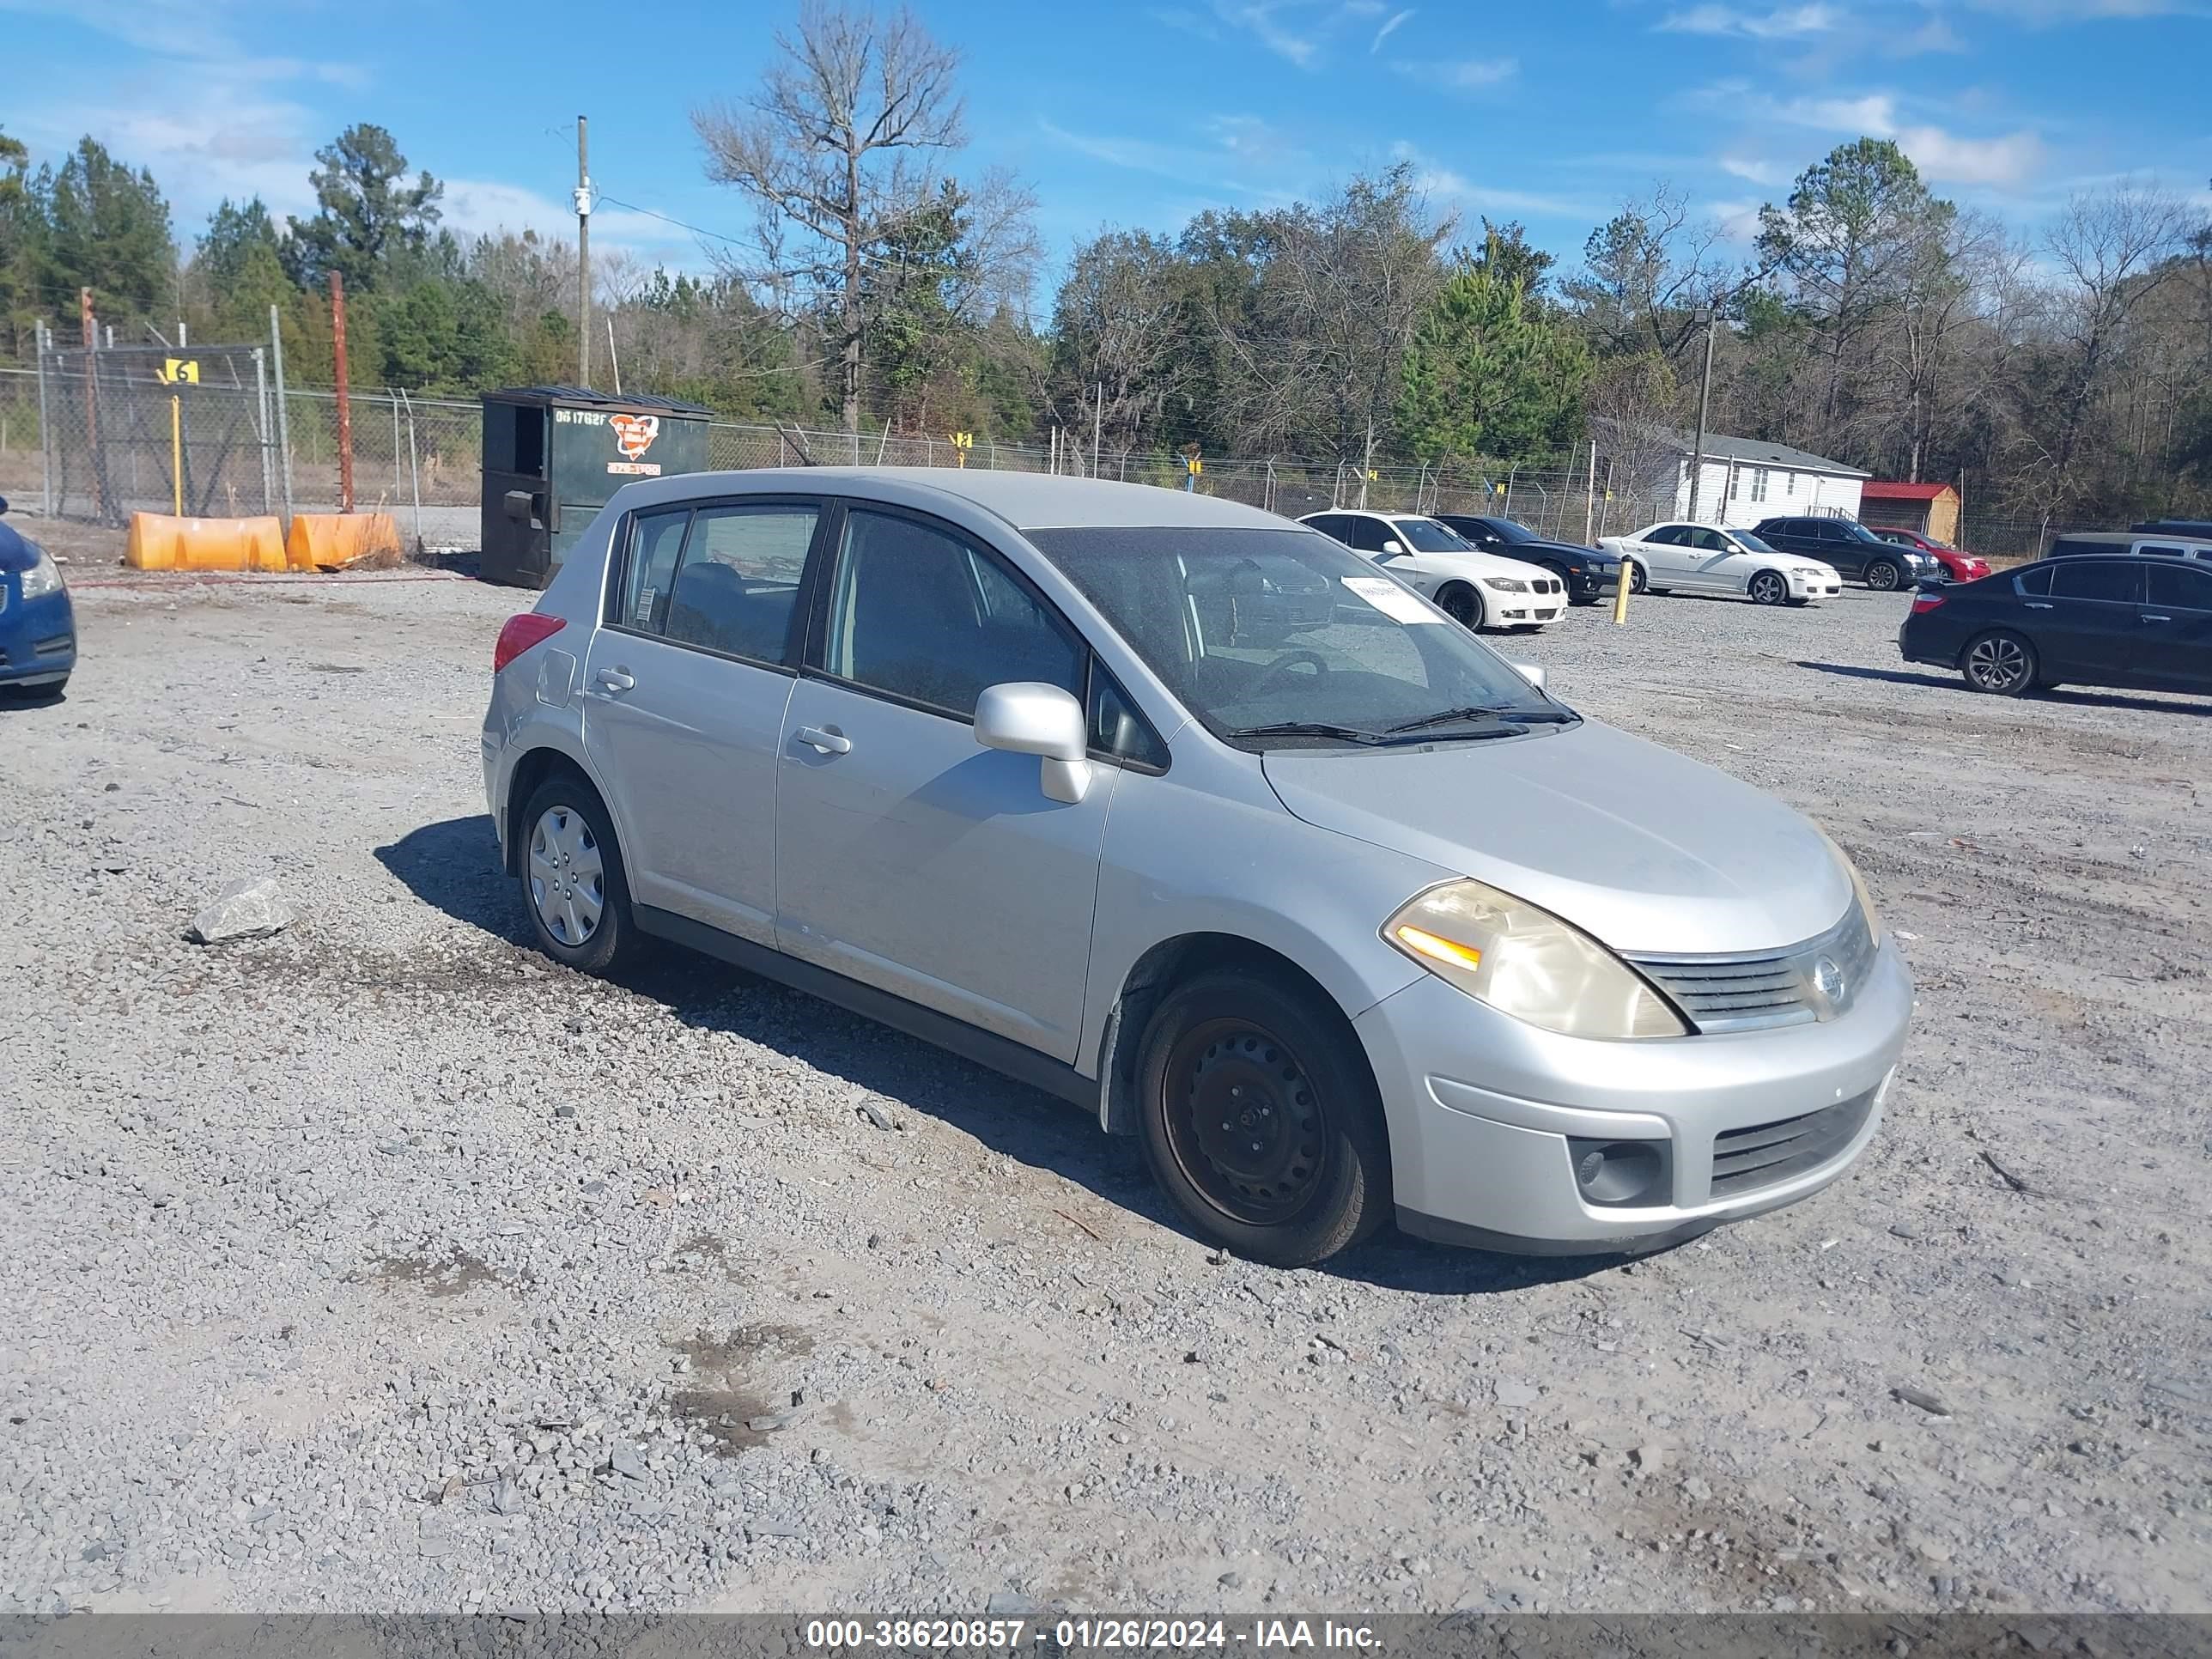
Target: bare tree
(834, 151)
(1119, 317)
(1651, 274)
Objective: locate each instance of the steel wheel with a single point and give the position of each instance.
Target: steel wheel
(566, 875)
(1768, 588)
(1884, 577)
(1245, 1123)
(2000, 664)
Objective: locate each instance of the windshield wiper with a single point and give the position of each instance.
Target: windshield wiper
(1503, 717)
(1307, 729)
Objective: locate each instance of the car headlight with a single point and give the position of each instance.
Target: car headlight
(1858, 886)
(1506, 584)
(1526, 962)
(1806, 572)
(44, 577)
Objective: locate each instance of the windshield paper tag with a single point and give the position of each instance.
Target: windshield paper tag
(1392, 601)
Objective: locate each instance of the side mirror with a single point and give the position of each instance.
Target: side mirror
(1027, 717)
(1531, 673)
(1389, 548)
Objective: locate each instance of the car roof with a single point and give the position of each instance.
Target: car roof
(2129, 537)
(1027, 501)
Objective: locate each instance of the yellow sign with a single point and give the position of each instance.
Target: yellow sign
(180, 371)
(1194, 466)
(961, 443)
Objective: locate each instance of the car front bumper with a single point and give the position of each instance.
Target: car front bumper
(1488, 1116)
(1814, 587)
(37, 637)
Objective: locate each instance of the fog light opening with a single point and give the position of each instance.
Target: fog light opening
(1621, 1172)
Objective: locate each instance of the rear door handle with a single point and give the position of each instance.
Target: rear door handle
(829, 743)
(2149, 618)
(2032, 605)
(616, 679)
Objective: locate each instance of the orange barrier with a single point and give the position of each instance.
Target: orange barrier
(159, 542)
(332, 541)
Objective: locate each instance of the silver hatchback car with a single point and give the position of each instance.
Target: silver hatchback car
(1193, 817)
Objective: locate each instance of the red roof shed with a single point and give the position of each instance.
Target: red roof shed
(1926, 509)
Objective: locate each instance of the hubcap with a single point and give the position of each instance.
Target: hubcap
(1245, 1123)
(567, 876)
(1881, 575)
(2000, 664)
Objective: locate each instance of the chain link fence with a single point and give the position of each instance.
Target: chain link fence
(421, 459)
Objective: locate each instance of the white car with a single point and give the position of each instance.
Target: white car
(1703, 559)
(1476, 589)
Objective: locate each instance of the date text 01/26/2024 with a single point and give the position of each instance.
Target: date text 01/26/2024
(1012, 1635)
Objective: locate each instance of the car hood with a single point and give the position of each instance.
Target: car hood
(17, 552)
(1639, 847)
(1537, 550)
(1470, 562)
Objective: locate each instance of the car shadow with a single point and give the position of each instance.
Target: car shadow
(2063, 695)
(453, 866)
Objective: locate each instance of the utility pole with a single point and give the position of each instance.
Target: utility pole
(1705, 402)
(92, 397)
(1589, 494)
(1098, 423)
(345, 406)
(583, 259)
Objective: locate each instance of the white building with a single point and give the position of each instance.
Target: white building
(1747, 479)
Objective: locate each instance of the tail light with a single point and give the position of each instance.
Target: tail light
(1924, 603)
(522, 632)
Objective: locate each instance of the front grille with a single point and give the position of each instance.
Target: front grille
(1815, 981)
(1746, 1159)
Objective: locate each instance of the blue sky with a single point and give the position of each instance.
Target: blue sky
(1547, 111)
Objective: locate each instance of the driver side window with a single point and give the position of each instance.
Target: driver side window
(1710, 541)
(1668, 535)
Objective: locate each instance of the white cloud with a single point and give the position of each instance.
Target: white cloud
(1468, 75)
(2048, 12)
(1398, 19)
(1456, 189)
(1247, 159)
(2001, 163)
(1260, 19)
(1782, 23)
(1937, 35)
(1753, 170)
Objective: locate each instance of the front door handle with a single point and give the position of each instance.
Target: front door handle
(2035, 605)
(829, 743)
(616, 679)
(2150, 618)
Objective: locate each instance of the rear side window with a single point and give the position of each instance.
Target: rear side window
(1334, 526)
(656, 542)
(2162, 550)
(2182, 587)
(738, 582)
(1668, 535)
(2116, 580)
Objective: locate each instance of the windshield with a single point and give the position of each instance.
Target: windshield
(1427, 536)
(1253, 629)
(1507, 530)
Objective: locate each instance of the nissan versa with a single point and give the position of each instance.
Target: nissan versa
(1338, 912)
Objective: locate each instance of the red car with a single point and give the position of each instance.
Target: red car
(1960, 566)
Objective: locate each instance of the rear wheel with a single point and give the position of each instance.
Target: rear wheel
(1637, 581)
(1463, 605)
(572, 878)
(1259, 1119)
(1768, 588)
(2004, 664)
(1885, 576)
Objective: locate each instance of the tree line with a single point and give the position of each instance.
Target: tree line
(2061, 375)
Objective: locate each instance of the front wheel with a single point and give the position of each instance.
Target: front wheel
(1259, 1119)
(1767, 588)
(1884, 577)
(572, 878)
(2004, 664)
(1463, 605)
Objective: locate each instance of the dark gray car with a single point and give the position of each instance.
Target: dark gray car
(1856, 552)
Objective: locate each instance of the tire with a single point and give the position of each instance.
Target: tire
(1638, 582)
(566, 831)
(1999, 663)
(1565, 579)
(1885, 576)
(1464, 606)
(1799, 605)
(1768, 588)
(1305, 1170)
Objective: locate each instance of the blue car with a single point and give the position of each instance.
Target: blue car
(38, 627)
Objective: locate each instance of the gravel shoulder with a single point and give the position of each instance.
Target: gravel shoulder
(381, 1264)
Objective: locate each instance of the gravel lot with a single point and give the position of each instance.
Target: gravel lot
(382, 1265)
